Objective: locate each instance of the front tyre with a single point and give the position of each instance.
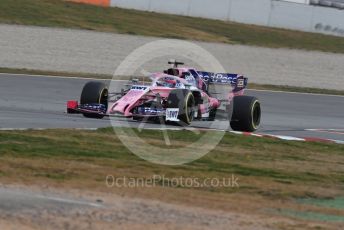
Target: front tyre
(94, 92)
(184, 100)
(246, 114)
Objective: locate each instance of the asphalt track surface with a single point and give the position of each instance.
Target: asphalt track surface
(28, 101)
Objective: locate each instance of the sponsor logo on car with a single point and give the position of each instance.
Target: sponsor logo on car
(172, 114)
(219, 78)
(139, 87)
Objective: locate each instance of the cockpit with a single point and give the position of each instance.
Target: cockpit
(169, 82)
(189, 76)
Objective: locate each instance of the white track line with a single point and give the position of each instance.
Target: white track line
(287, 138)
(339, 130)
(58, 77)
(42, 129)
(291, 92)
(101, 79)
(337, 141)
(332, 131)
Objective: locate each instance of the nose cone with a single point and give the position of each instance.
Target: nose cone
(129, 101)
(119, 107)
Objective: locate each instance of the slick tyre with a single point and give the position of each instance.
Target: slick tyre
(246, 114)
(184, 100)
(94, 93)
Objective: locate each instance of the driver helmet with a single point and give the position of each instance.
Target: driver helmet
(167, 83)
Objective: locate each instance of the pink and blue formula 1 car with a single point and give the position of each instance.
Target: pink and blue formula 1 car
(177, 95)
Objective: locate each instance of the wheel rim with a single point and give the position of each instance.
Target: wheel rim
(103, 97)
(189, 108)
(256, 114)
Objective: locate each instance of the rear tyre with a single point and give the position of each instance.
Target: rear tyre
(94, 93)
(246, 114)
(185, 101)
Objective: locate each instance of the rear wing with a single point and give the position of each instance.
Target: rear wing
(235, 80)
